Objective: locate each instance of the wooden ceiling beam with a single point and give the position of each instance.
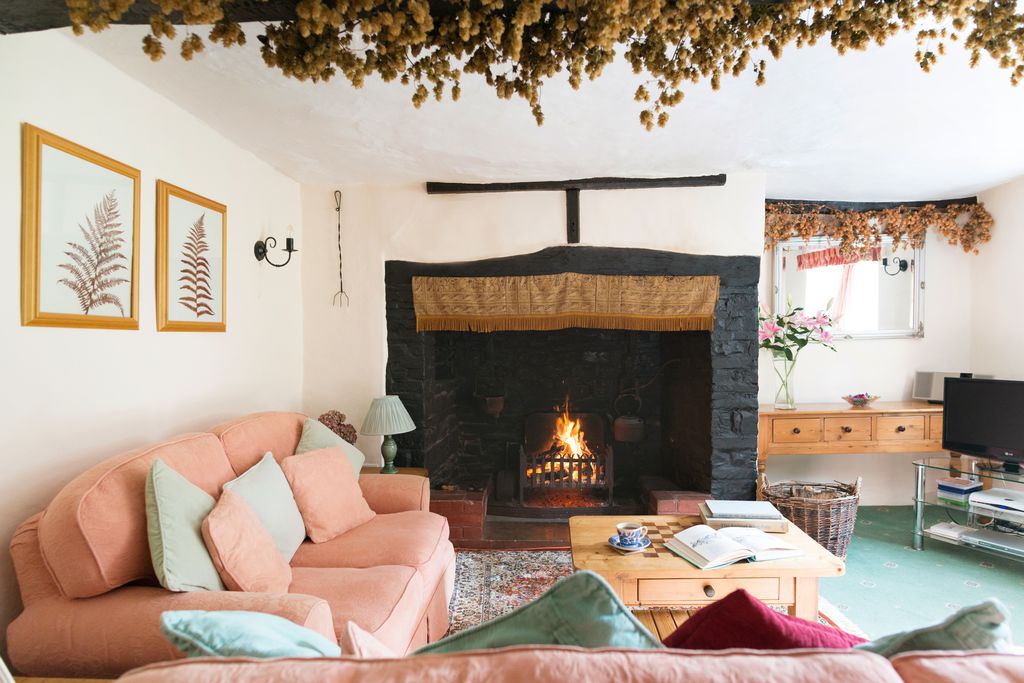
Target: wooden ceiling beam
(815, 205)
(578, 184)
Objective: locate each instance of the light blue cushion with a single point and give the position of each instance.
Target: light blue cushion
(316, 435)
(580, 610)
(985, 626)
(242, 634)
(265, 488)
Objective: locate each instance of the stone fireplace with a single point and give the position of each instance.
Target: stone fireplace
(496, 410)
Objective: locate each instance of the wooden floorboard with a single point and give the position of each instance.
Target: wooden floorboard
(662, 622)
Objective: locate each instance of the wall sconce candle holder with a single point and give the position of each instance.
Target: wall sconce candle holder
(262, 246)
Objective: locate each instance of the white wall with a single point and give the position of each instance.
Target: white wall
(996, 323)
(346, 347)
(72, 397)
(884, 367)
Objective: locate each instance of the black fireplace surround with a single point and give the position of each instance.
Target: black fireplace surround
(699, 396)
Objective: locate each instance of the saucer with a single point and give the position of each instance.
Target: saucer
(644, 545)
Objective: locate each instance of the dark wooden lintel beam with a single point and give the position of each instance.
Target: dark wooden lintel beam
(814, 206)
(578, 184)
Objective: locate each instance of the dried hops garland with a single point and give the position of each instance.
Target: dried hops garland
(966, 225)
(516, 46)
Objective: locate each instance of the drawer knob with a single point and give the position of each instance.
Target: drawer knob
(901, 428)
(847, 429)
(796, 430)
(709, 591)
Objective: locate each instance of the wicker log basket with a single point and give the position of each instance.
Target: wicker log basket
(825, 512)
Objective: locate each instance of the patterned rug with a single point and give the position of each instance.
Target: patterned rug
(490, 583)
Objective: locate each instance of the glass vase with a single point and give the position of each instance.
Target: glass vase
(784, 396)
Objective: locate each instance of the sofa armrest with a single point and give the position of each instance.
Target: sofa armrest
(104, 636)
(386, 493)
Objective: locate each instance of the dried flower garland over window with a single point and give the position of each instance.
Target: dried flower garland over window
(517, 46)
(966, 225)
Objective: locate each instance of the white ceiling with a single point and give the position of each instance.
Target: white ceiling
(865, 127)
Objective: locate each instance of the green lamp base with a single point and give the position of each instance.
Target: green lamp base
(389, 449)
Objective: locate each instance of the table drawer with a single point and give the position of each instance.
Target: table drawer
(698, 591)
(847, 429)
(796, 430)
(935, 427)
(901, 428)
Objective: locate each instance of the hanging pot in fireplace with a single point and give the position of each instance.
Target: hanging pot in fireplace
(628, 427)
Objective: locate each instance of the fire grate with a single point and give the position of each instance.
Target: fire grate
(566, 454)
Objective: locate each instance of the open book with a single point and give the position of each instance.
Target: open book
(709, 549)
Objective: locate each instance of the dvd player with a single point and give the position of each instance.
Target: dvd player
(995, 540)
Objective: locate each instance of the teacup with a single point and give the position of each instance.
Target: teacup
(631, 533)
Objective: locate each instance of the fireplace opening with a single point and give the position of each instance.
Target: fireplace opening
(565, 461)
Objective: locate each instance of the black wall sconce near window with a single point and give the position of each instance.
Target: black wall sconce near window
(900, 265)
(262, 246)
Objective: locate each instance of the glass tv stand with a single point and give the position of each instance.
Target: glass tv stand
(988, 472)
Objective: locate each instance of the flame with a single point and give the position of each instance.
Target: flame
(570, 437)
(569, 446)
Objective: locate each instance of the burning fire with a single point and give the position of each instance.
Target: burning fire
(568, 445)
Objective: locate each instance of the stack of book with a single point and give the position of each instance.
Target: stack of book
(957, 491)
(753, 514)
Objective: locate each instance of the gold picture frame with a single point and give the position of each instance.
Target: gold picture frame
(76, 265)
(182, 219)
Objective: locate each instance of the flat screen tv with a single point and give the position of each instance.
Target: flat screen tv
(984, 417)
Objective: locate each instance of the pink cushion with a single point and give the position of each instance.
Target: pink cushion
(741, 620)
(358, 643)
(93, 534)
(388, 602)
(247, 439)
(554, 664)
(959, 667)
(242, 549)
(414, 539)
(327, 493)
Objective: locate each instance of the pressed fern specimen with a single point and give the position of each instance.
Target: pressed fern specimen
(94, 262)
(195, 271)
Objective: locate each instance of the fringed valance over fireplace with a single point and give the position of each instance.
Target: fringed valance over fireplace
(654, 303)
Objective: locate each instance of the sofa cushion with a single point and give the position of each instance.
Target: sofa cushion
(327, 493)
(175, 510)
(741, 620)
(93, 534)
(247, 439)
(985, 626)
(959, 667)
(413, 539)
(242, 549)
(316, 435)
(357, 642)
(265, 488)
(242, 634)
(550, 664)
(386, 601)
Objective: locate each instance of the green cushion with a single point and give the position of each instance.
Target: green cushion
(264, 487)
(242, 634)
(580, 610)
(316, 435)
(175, 510)
(984, 626)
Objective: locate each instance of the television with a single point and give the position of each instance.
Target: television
(984, 418)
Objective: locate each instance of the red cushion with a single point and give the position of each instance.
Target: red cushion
(741, 620)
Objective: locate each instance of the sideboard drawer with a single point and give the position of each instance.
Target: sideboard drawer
(697, 591)
(795, 430)
(935, 427)
(847, 429)
(901, 428)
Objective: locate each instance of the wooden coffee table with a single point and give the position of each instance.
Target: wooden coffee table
(658, 577)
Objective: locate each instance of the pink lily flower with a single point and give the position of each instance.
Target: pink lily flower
(801, 320)
(768, 330)
(822, 319)
(825, 336)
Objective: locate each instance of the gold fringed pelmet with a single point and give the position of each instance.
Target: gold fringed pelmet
(654, 303)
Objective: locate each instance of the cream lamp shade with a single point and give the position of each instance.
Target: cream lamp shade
(388, 416)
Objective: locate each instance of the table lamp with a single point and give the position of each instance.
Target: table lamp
(387, 417)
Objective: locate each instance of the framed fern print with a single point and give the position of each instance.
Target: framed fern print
(191, 269)
(79, 235)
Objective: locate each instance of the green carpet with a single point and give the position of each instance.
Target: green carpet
(889, 587)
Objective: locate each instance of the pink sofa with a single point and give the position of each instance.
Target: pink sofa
(561, 664)
(91, 601)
